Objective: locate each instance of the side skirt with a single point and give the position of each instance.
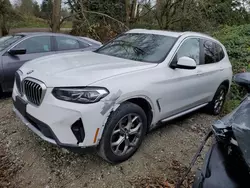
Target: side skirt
(182, 113)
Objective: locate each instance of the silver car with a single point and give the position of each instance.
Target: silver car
(17, 49)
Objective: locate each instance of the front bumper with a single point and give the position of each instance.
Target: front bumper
(53, 120)
(33, 128)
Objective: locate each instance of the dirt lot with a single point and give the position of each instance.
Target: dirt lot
(27, 161)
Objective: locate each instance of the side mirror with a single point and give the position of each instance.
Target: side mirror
(243, 80)
(185, 63)
(17, 51)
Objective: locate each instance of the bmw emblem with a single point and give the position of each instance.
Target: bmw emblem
(30, 72)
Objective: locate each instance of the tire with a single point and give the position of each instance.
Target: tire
(120, 139)
(215, 106)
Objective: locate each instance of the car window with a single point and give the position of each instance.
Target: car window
(83, 44)
(190, 48)
(219, 52)
(38, 44)
(143, 47)
(209, 53)
(9, 40)
(66, 43)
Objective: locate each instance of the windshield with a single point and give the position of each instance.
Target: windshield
(8, 40)
(139, 47)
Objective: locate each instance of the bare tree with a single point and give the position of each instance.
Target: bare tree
(56, 15)
(127, 10)
(133, 9)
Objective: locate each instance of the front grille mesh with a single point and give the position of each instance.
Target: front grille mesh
(33, 92)
(18, 83)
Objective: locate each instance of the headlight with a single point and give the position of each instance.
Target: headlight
(80, 95)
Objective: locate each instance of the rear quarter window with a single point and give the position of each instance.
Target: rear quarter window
(219, 52)
(213, 52)
(209, 54)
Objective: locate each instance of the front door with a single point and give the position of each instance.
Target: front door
(183, 89)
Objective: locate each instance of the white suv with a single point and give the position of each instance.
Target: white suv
(112, 97)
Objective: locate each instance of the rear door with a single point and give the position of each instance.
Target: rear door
(69, 44)
(36, 46)
(211, 68)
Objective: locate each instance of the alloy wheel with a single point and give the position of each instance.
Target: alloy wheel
(219, 101)
(126, 134)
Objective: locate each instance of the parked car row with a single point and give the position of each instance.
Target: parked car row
(109, 98)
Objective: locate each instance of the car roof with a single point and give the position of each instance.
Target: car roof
(41, 33)
(156, 32)
(83, 39)
(172, 33)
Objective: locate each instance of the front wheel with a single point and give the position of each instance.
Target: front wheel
(215, 106)
(123, 133)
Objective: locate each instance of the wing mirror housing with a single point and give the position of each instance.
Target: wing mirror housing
(17, 51)
(243, 80)
(184, 63)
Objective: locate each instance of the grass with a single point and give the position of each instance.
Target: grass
(230, 105)
(34, 22)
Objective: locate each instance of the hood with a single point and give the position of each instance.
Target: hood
(79, 68)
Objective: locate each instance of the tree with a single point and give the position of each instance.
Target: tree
(127, 10)
(46, 9)
(56, 15)
(26, 7)
(36, 9)
(7, 16)
(97, 18)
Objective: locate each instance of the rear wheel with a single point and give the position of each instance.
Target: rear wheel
(123, 134)
(215, 106)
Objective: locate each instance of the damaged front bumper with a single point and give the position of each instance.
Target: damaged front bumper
(63, 123)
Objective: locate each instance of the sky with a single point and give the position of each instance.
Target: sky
(39, 1)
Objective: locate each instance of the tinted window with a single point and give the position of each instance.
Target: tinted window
(190, 48)
(139, 47)
(83, 44)
(35, 44)
(209, 53)
(219, 53)
(8, 40)
(66, 43)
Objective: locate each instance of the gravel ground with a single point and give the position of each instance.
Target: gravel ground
(163, 157)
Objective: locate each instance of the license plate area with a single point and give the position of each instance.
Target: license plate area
(20, 105)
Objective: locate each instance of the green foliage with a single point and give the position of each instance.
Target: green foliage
(29, 21)
(26, 7)
(230, 105)
(237, 42)
(8, 16)
(46, 9)
(36, 9)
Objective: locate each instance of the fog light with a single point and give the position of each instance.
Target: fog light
(78, 131)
